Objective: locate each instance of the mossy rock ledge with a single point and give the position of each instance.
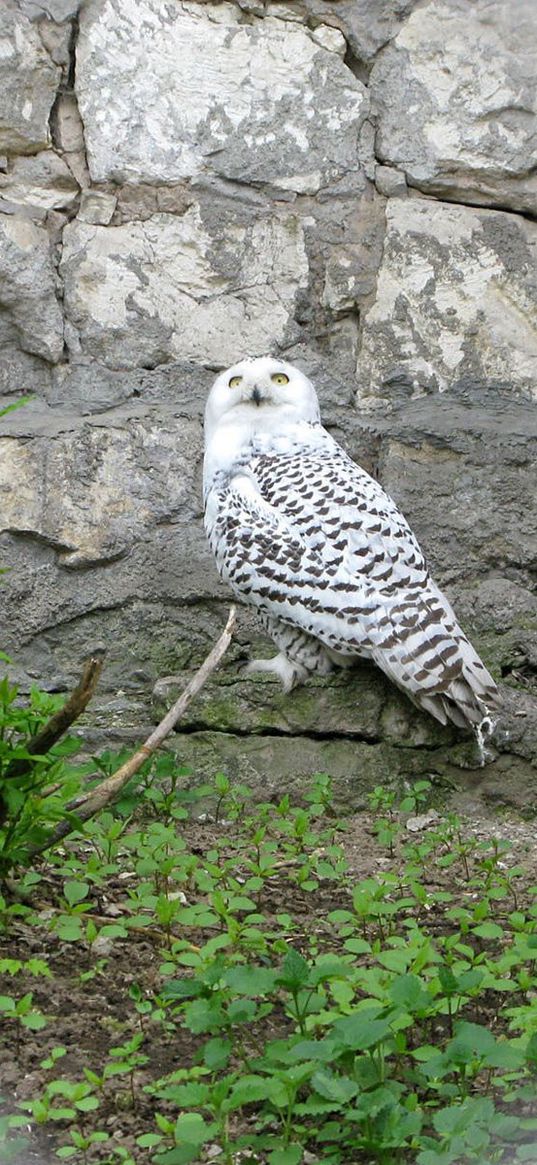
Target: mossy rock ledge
(354, 726)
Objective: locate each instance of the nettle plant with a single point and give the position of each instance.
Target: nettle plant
(376, 1059)
(35, 787)
(313, 1017)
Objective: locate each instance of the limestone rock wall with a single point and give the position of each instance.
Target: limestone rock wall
(348, 183)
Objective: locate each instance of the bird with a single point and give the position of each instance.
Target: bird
(306, 537)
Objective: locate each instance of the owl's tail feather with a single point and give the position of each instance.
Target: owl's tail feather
(465, 699)
(470, 712)
(473, 714)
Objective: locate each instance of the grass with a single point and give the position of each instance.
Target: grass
(315, 1016)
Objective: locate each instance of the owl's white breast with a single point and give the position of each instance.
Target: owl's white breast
(246, 430)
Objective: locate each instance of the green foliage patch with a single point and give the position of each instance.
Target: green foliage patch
(399, 1025)
(34, 789)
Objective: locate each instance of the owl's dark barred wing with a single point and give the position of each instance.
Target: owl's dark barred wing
(312, 541)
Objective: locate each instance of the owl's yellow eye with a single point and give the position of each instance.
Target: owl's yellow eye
(235, 381)
(279, 378)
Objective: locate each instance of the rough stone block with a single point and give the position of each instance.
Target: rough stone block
(273, 765)
(29, 80)
(96, 207)
(352, 704)
(69, 131)
(202, 287)
(457, 101)
(42, 182)
(173, 91)
(105, 486)
(367, 25)
(154, 610)
(330, 39)
(31, 317)
(456, 304)
(461, 507)
(233, 703)
(390, 182)
(22, 374)
(352, 253)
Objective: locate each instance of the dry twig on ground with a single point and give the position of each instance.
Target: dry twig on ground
(58, 724)
(86, 806)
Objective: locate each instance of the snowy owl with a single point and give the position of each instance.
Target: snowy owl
(308, 538)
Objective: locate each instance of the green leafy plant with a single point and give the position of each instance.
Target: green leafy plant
(389, 1019)
(34, 788)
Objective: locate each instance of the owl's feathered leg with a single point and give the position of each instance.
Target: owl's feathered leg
(299, 655)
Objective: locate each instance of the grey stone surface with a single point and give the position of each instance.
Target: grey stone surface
(55, 10)
(96, 207)
(255, 704)
(106, 485)
(456, 96)
(20, 372)
(56, 39)
(351, 250)
(440, 459)
(182, 287)
(68, 128)
(42, 182)
(31, 317)
(455, 304)
(383, 739)
(29, 81)
(236, 202)
(68, 133)
(367, 25)
(390, 182)
(171, 91)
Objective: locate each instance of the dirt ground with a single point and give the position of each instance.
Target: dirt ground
(89, 1018)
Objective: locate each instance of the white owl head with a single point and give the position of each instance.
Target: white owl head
(261, 392)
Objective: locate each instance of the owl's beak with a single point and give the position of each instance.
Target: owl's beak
(256, 396)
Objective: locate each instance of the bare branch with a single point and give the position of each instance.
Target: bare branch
(58, 724)
(107, 790)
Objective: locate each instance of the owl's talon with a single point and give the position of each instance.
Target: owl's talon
(289, 674)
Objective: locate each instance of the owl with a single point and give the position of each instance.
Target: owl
(313, 543)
